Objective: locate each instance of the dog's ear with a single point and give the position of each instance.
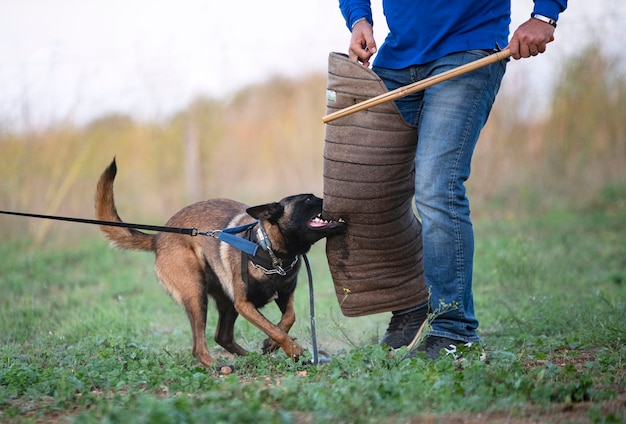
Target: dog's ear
(269, 211)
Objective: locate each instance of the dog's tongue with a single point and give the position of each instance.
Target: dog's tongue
(317, 222)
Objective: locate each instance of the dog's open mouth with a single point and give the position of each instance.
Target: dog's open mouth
(318, 222)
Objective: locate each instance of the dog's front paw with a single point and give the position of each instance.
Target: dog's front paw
(269, 346)
(294, 350)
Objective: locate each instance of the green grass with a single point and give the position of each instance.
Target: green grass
(87, 335)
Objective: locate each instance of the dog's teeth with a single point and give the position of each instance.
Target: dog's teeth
(319, 219)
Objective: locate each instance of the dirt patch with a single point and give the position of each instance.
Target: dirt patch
(562, 357)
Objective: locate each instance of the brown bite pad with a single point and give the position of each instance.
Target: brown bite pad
(369, 169)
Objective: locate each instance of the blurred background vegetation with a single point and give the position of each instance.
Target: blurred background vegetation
(266, 142)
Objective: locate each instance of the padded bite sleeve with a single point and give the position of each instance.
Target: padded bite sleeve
(369, 168)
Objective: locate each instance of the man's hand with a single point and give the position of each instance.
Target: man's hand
(531, 38)
(362, 44)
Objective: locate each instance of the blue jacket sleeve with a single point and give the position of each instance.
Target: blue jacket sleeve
(550, 8)
(353, 10)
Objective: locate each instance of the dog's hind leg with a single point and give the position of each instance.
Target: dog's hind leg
(184, 282)
(224, 333)
(196, 308)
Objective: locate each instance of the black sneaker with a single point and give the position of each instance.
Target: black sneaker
(403, 327)
(436, 346)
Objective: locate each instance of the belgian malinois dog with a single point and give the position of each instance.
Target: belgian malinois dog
(193, 268)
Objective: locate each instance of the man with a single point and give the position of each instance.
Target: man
(426, 38)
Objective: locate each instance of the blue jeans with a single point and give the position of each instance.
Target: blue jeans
(449, 117)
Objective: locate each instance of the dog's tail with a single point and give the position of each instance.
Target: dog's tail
(124, 238)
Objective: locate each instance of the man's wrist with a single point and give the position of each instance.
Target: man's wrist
(357, 21)
(543, 18)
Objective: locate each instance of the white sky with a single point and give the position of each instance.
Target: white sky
(77, 59)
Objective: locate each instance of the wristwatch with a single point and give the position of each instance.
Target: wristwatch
(544, 19)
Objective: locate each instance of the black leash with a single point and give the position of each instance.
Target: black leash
(226, 235)
(316, 358)
(185, 231)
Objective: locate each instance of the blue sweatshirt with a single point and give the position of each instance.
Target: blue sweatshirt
(424, 30)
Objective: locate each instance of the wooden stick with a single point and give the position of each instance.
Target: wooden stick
(418, 86)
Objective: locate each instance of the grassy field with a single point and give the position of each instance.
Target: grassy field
(87, 335)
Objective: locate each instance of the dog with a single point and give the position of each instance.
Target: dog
(192, 269)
